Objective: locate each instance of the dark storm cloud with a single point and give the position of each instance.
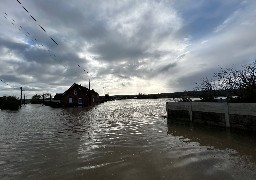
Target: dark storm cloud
(117, 51)
(12, 46)
(38, 66)
(168, 67)
(76, 19)
(12, 78)
(124, 70)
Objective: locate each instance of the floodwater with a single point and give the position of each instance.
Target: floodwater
(127, 139)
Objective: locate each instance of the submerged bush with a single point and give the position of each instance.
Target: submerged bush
(10, 103)
(36, 99)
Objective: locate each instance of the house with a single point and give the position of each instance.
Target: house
(77, 95)
(94, 97)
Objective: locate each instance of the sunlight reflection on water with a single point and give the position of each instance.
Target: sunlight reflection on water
(126, 139)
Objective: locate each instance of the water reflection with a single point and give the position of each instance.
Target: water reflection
(239, 142)
(126, 139)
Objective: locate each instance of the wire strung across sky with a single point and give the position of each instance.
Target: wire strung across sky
(42, 28)
(36, 22)
(10, 87)
(35, 40)
(4, 82)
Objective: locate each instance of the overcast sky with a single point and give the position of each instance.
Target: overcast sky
(123, 46)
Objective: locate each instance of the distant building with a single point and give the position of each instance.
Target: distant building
(77, 95)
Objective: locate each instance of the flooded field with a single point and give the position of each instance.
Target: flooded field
(127, 139)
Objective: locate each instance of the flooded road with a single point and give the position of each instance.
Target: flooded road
(127, 139)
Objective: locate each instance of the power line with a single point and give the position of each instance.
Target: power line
(35, 40)
(36, 21)
(39, 24)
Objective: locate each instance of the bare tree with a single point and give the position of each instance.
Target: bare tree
(208, 89)
(241, 82)
(234, 82)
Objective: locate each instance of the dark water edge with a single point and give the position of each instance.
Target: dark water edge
(127, 139)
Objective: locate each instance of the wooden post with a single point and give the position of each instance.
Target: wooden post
(24, 99)
(20, 96)
(90, 99)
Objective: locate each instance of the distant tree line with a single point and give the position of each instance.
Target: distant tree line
(38, 99)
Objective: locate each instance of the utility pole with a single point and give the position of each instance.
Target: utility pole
(90, 99)
(20, 97)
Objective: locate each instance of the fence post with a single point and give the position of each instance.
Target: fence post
(20, 97)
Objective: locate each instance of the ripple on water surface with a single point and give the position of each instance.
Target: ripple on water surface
(126, 139)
